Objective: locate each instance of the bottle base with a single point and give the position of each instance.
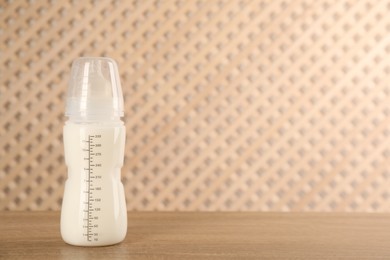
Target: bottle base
(91, 244)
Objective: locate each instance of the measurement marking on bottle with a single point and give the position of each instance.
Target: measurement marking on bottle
(92, 200)
(89, 188)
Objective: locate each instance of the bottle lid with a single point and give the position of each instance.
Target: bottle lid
(94, 90)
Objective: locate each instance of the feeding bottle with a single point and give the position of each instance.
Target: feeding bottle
(94, 209)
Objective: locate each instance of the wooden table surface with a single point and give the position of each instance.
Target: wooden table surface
(36, 235)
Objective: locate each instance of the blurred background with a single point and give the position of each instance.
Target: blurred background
(230, 105)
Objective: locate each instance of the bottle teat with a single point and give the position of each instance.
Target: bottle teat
(94, 91)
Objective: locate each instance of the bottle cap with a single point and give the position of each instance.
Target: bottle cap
(94, 90)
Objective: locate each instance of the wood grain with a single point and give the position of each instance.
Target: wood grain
(35, 235)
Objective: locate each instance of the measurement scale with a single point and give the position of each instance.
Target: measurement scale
(93, 187)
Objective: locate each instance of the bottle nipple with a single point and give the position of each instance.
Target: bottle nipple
(94, 90)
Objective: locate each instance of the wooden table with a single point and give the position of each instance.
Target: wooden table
(35, 235)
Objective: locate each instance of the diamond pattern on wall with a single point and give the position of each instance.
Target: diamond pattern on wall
(230, 105)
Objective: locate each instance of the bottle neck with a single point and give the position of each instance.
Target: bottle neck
(93, 119)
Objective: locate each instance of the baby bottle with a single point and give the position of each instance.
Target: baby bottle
(94, 208)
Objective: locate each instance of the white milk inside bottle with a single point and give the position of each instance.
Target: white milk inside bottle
(94, 209)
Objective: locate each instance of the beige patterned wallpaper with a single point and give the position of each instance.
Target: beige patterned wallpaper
(230, 105)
